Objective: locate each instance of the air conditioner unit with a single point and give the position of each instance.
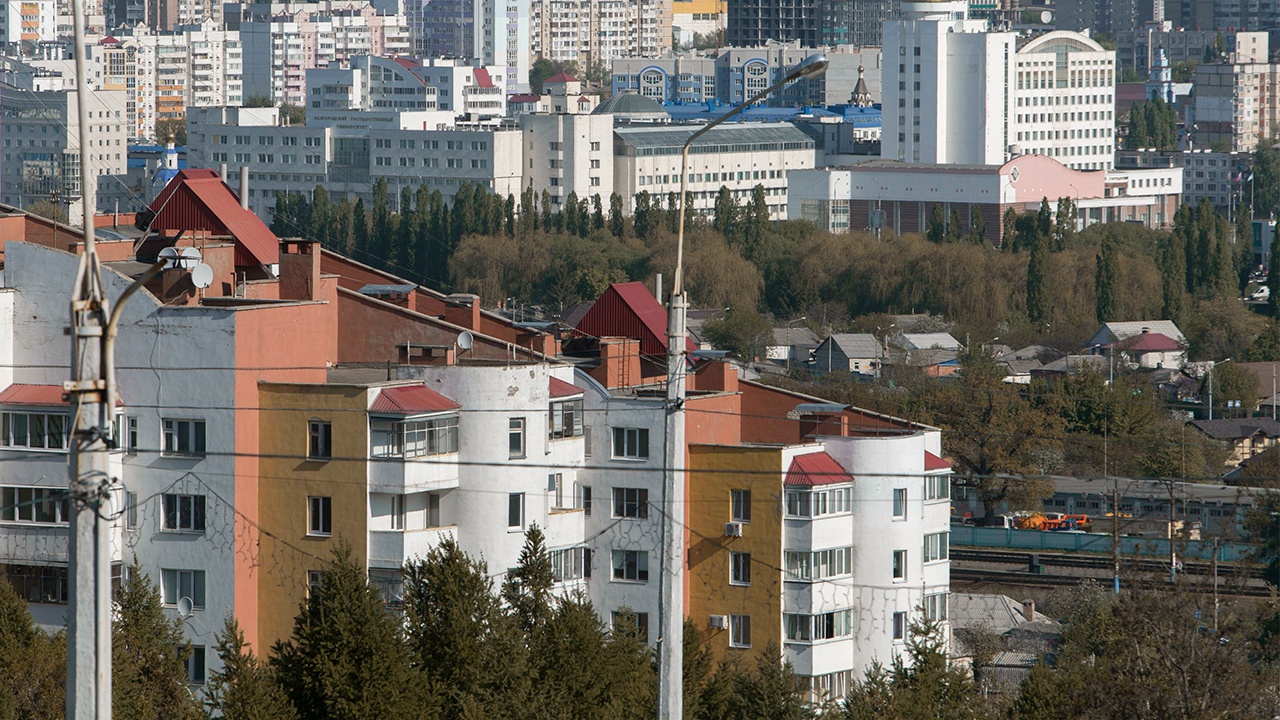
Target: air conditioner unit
(733, 529)
(719, 622)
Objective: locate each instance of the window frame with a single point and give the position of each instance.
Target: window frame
(319, 440)
(900, 559)
(739, 569)
(8, 428)
(172, 510)
(19, 500)
(319, 516)
(567, 416)
(195, 435)
(171, 580)
(937, 488)
(622, 439)
(740, 506)
(937, 547)
(900, 498)
(197, 671)
(639, 503)
(740, 631)
(631, 560)
(516, 508)
(899, 627)
(516, 435)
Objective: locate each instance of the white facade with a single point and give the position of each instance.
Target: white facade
(1065, 100)
(28, 21)
(568, 153)
(592, 32)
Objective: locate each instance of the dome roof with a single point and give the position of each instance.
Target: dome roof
(631, 106)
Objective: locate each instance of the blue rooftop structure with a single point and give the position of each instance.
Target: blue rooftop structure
(851, 114)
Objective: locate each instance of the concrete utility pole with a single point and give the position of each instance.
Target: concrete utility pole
(92, 400)
(671, 579)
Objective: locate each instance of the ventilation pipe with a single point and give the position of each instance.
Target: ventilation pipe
(244, 186)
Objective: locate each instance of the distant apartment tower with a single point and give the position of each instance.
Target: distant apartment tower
(1235, 103)
(594, 32)
(485, 32)
(27, 21)
(164, 15)
(814, 23)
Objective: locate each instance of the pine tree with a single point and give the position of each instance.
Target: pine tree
(725, 219)
(527, 590)
(617, 225)
(937, 230)
(245, 688)
(1105, 282)
(597, 213)
(1009, 230)
(1039, 280)
(347, 658)
(977, 226)
(771, 691)
(149, 656)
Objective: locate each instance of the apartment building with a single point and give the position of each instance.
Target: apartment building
(955, 92)
(1221, 178)
(592, 33)
(491, 33)
(1235, 103)
(27, 21)
(370, 83)
(739, 157)
(690, 18)
(569, 153)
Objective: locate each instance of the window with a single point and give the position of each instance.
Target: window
(319, 440)
(184, 513)
(935, 606)
(568, 564)
(515, 437)
(515, 511)
(180, 584)
(641, 621)
(798, 503)
(315, 581)
(823, 626)
(565, 419)
(899, 565)
(320, 519)
(740, 506)
(805, 503)
(584, 492)
(195, 665)
(34, 430)
(40, 506)
(899, 503)
(131, 435)
(415, 438)
(397, 512)
(818, 565)
(935, 547)
(183, 437)
(631, 443)
(739, 568)
(740, 631)
(631, 503)
(899, 626)
(130, 509)
(631, 565)
(937, 487)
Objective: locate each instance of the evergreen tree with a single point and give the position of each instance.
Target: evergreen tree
(954, 234)
(245, 688)
(1265, 190)
(1045, 219)
(1039, 281)
(1040, 696)
(977, 225)
(33, 665)
(347, 658)
(643, 220)
(1105, 283)
(1273, 282)
(1244, 246)
(527, 590)
(597, 213)
(321, 218)
(1064, 223)
(356, 228)
(1266, 346)
(673, 212)
(149, 657)
(509, 213)
(772, 690)
(937, 230)
(725, 218)
(617, 226)
(459, 636)
(528, 212)
(383, 228)
(1139, 136)
(570, 215)
(758, 223)
(1173, 272)
(1009, 230)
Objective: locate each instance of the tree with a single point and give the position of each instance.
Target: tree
(543, 68)
(1064, 223)
(174, 129)
(527, 590)
(725, 219)
(937, 230)
(617, 226)
(771, 691)
(49, 209)
(149, 657)
(1266, 178)
(1266, 346)
(245, 688)
(33, 664)
(1233, 382)
(1273, 284)
(1039, 280)
(954, 235)
(1009, 229)
(745, 333)
(977, 226)
(597, 213)
(291, 114)
(346, 658)
(1040, 697)
(1173, 276)
(1105, 283)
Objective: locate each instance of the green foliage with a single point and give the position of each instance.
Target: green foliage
(245, 688)
(1105, 282)
(1233, 382)
(745, 333)
(1266, 178)
(1039, 283)
(1184, 71)
(33, 664)
(527, 590)
(1040, 696)
(149, 673)
(347, 658)
(544, 68)
(1152, 123)
(291, 114)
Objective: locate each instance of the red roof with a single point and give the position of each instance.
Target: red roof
(412, 400)
(406, 63)
(524, 98)
(37, 395)
(482, 78)
(816, 469)
(199, 200)
(630, 310)
(560, 388)
(561, 77)
(933, 462)
(109, 40)
(1149, 342)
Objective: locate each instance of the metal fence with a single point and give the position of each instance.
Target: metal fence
(1007, 538)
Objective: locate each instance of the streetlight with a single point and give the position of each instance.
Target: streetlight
(790, 344)
(1213, 365)
(671, 579)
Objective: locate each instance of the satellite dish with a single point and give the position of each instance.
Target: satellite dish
(185, 607)
(465, 338)
(171, 257)
(188, 257)
(1046, 17)
(202, 276)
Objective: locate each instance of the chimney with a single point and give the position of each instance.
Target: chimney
(463, 309)
(657, 289)
(244, 186)
(222, 171)
(1029, 610)
(719, 376)
(619, 362)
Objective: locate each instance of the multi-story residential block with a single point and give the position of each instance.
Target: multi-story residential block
(668, 79)
(1221, 178)
(1234, 102)
(569, 153)
(379, 84)
(697, 18)
(27, 22)
(739, 157)
(170, 15)
(814, 23)
(592, 33)
(41, 143)
(954, 92)
(884, 195)
(492, 33)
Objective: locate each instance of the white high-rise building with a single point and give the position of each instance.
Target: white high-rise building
(957, 93)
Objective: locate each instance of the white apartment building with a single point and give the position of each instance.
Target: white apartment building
(564, 153)
(594, 32)
(957, 93)
(1235, 103)
(215, 62)
(39, 132)
(28, 21)
(739, 157)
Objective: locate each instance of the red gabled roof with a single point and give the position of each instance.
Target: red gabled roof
(816, 469)
(482, 78)
(630, 310)
(933, 462)
(37, 396)
(412, 400)
(561, 77)
(199, 200)
(1149, 342)
(560, 388)
(524, 98)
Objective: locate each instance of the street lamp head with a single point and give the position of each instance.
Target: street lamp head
(810, 68)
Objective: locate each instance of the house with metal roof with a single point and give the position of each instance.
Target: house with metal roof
(858, 353)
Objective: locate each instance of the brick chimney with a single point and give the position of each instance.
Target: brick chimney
(299, 269)
(619, 362)
(1029, 610)
(463, 309)
(718, 376)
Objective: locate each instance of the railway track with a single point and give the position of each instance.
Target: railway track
(1099, 562)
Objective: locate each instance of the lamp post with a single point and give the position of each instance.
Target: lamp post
(790, 344)
(1211, 367)
(671, 579)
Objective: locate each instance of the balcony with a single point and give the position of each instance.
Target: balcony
(399, 476)
(393, 548)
